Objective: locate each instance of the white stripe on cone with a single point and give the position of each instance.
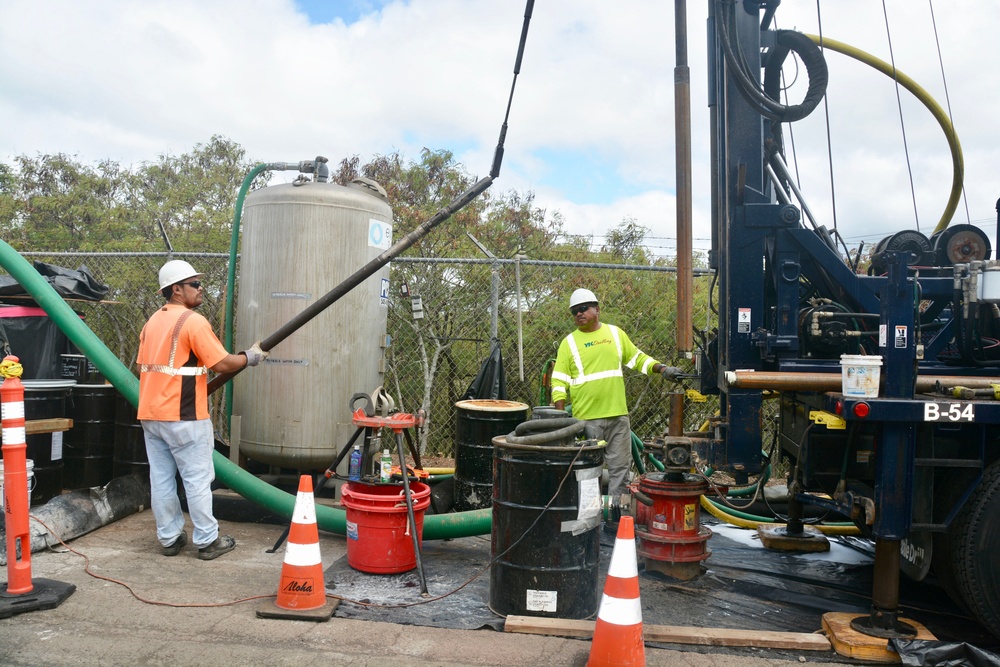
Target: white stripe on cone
(13, 410)
(619, 611)
(302, 554)
(305, 508)
(14, 436)
(623, 564)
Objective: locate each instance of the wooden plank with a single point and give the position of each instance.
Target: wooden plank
(849, 642)
(33, 426)
(675, 634)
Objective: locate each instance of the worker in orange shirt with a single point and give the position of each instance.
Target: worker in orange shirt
(177, 348)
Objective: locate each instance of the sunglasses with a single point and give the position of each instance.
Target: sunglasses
(582, 308)
(194, 283)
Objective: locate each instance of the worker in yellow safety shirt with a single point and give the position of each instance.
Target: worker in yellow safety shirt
(588, 372)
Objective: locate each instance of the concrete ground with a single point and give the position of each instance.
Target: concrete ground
(191, 612)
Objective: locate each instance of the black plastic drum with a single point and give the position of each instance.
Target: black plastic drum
(46, 399)
(80, 369)
(477, 422)
(90, 444)
(130, 443)
(548, 568)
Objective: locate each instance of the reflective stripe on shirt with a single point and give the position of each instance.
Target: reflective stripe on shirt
(581, 378)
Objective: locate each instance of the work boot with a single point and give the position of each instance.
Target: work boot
(223, 544)
(175, 547)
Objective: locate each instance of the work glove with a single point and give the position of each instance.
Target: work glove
(670, 372)
(254, 354)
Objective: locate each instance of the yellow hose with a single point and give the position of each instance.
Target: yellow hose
(753, 525)
(957, 161)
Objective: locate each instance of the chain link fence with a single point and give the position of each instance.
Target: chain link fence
(436, 352)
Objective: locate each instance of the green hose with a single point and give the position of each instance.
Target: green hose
(436, 526)
(234, 246)
(763, 519)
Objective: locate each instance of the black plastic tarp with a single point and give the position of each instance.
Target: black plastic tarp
(926, 653)
(29, 334)
(68, 283)
(490, 382)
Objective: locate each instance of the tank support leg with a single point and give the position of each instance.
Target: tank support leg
(409, 512)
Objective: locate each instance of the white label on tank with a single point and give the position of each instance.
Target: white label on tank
(352, 530)
(57, 446)
(881, 335)
(291, 295)
(383, 295)
(379, 234)
(540, 600)
(590, 498)
(270, 361)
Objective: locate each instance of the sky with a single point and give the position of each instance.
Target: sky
(591, 129)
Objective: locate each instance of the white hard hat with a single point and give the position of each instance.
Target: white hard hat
(175, 271)
(582, 296)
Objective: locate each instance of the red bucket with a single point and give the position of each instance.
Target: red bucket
(378, 541)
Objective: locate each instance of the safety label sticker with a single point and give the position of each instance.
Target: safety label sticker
(352, 530)
(743, 321)
(590, 498)
(541, 600)
(383, 295)
(379, 234)
(900, 336)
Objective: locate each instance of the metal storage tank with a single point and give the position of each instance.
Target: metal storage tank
(299, 242)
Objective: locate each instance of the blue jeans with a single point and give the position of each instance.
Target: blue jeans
(617, 432)
(185, 447)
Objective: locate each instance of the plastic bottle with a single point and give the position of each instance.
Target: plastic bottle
(354, 473)
(386, 471)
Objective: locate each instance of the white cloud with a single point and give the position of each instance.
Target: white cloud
(132, 80)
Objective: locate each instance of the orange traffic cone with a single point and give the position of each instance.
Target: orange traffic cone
(301, 591)
(617, 638)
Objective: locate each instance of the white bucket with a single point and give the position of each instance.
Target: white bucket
(30, 466)
(860, 374)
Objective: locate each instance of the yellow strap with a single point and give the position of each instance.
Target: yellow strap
(9, 368)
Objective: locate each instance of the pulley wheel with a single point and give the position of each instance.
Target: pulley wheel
(915, 244)
(909, 241)
(960, 244)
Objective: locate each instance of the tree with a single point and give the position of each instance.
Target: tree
(446, 335)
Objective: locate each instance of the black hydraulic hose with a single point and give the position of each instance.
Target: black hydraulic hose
(787, 40)
(815, 64)
(548, 436)
(544, 425)
(498, 154)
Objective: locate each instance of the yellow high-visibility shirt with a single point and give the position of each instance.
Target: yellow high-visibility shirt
(589, 369)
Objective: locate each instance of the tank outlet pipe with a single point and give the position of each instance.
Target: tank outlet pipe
(436, 526)
(362, 274)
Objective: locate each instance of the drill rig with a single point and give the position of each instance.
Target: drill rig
(916, 467)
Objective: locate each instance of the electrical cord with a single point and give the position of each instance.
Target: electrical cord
(569, 470)
(138, 597)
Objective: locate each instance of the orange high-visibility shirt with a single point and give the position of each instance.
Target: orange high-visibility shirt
(173, 377)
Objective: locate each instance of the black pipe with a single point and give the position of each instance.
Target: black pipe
(361, 275)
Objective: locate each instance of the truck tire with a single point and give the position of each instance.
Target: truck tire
(975, 543)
